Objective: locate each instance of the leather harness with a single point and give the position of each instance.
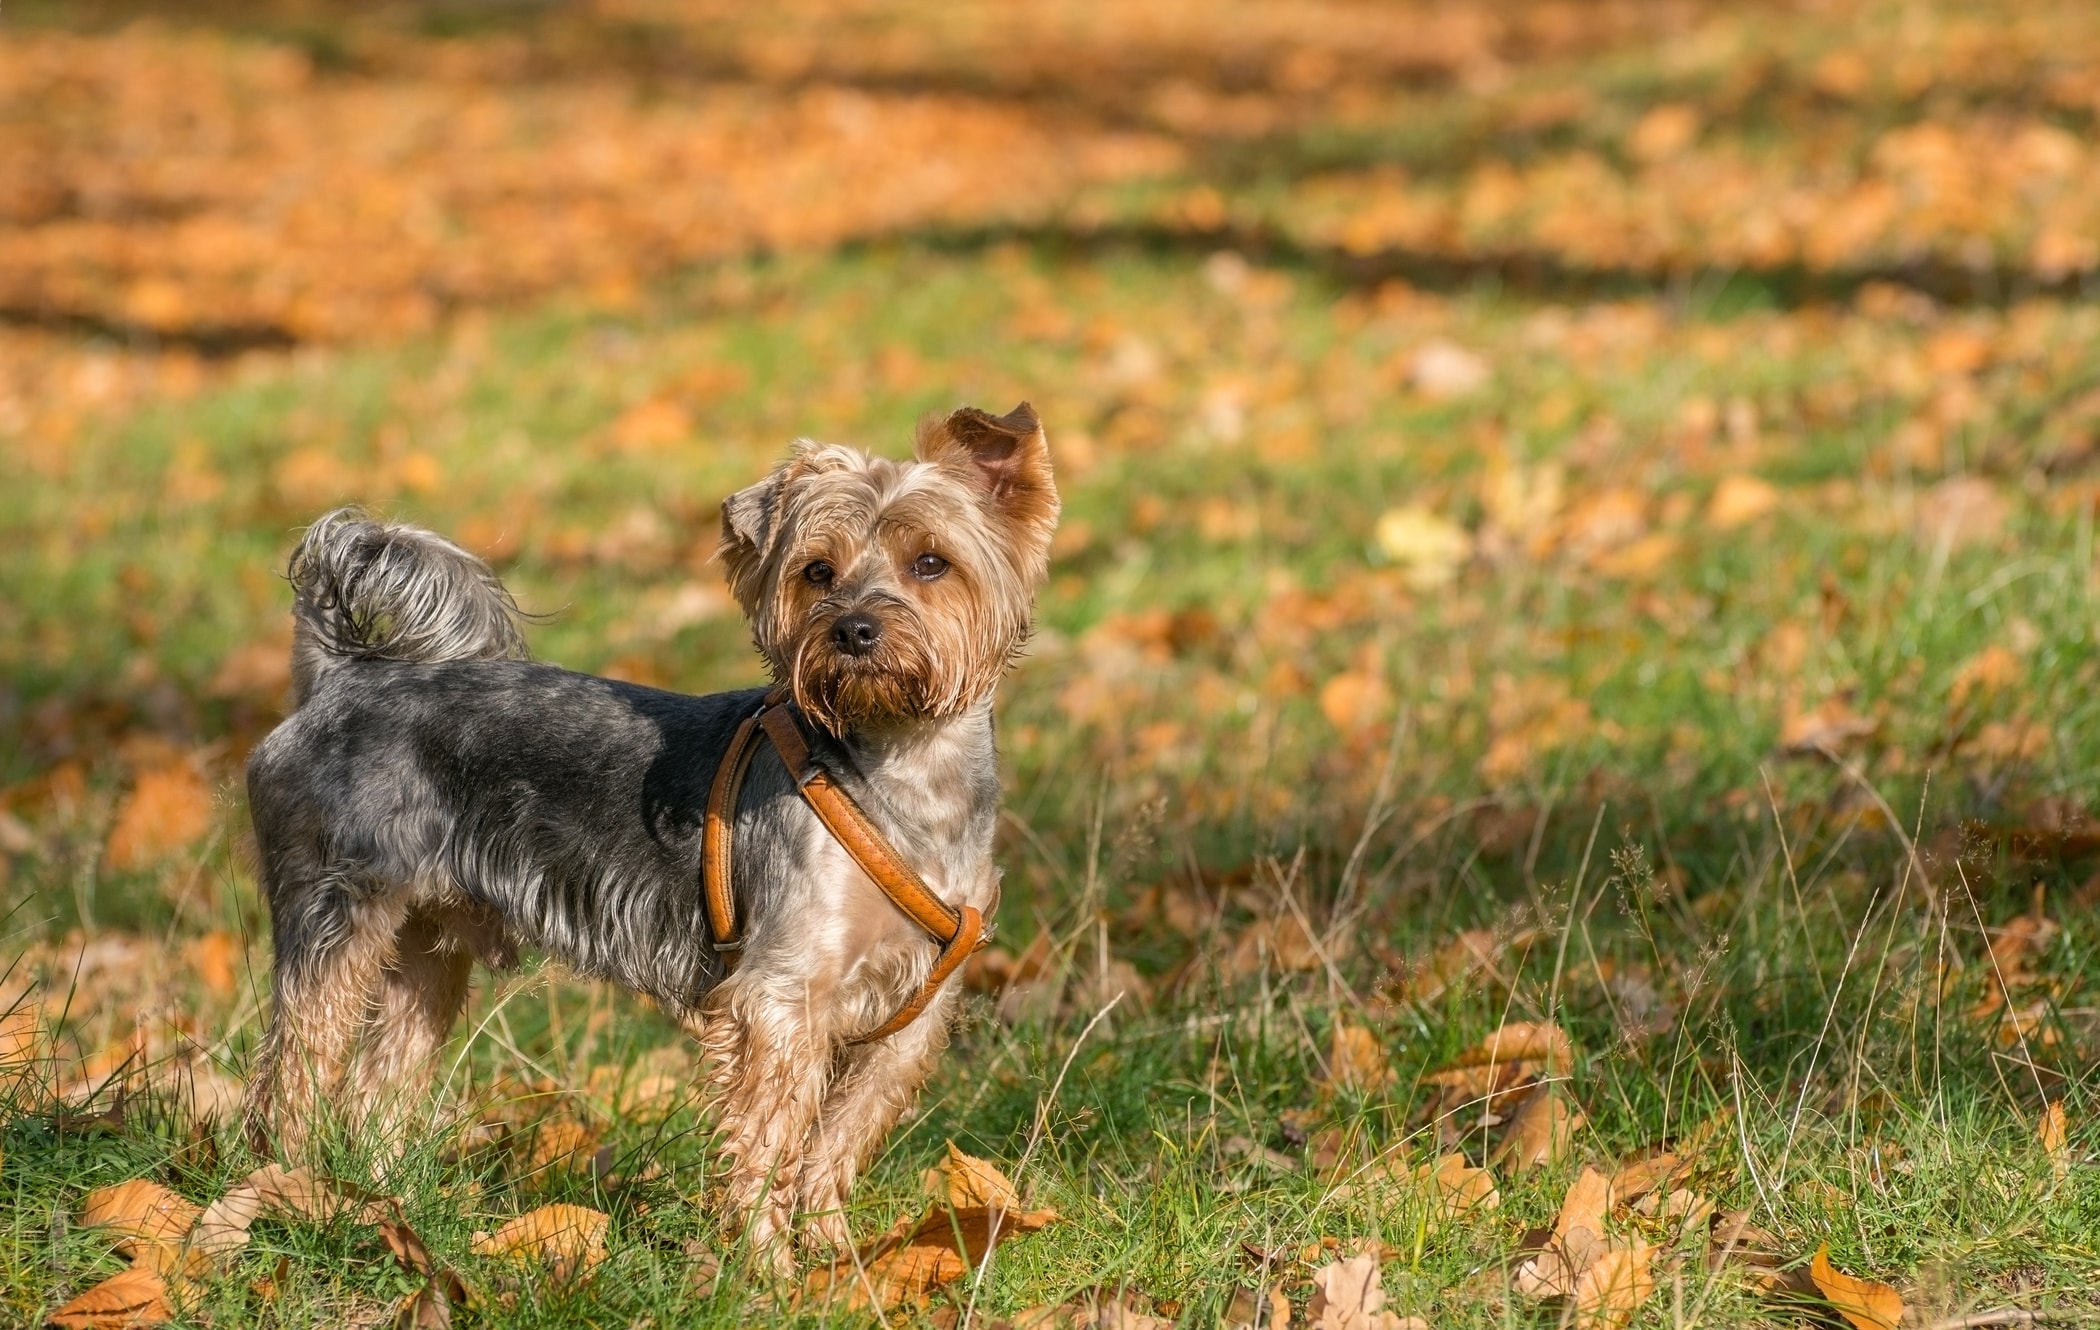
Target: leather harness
(959, 931)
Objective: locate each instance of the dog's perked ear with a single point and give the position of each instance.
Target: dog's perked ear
(1008, 456)
(748, 520)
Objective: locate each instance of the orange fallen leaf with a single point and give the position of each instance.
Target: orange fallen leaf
(1739, 501)
(1613, 1288)
(2055, 1133)
(1350, 1295)
(1460, 1187)
(1576, 1242)
(214, 957)
(141, 1212)
(301, 1193)
(1522, 1041)
(1356, 1060)
(168, 810)
(563, 1235)
(560, 1143)
(1828, 727)
(979, 1209)
(137, 1296)
(1868, 1305)
(1541, 1131)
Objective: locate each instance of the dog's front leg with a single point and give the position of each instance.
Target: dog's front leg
(878, 1082)
(769, 1063)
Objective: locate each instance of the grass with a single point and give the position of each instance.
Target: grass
(1720, 648)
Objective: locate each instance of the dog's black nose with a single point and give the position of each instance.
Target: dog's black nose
(856, 634)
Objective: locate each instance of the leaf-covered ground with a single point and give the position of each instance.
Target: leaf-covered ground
(1552, 785)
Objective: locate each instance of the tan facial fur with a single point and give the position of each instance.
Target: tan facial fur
(977, 497)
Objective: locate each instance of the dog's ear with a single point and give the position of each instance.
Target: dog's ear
(748, 520)
(1007, 455)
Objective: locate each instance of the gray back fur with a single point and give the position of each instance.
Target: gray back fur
(370, 590)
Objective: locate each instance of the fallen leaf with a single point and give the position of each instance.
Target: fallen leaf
(1459, 1186)
(1280, 942)
(1868, 1305)
(1576, 1242)
(300, 1193)
(1355, 700)
(1356, 1060)
(1429, 549)
(563, 1235)
(977, 1209)
(1613, 1288)
(2055, 1134)
(140, 1211)
(1541, 1131)
(1441, 370)
(1828, 728)
(168, 810)
(560, 1143)
(1522, 1041)
(223, 1227)
(1962, 511)
(1740, 500)
(1350, 1295)
(137, 1296)
(1986, 674)
(213, 956)
(1251, 1309)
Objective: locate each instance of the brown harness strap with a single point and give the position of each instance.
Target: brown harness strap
(959, 931)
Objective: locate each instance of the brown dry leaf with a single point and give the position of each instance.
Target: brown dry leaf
(1460, 1187)
(1522, 1041)
(1356, 1060)
(300, 1193)
(1639, 560)
(1541, 1131)
(1962, 511)
(1472, 952)
(1740, 500)
(223, 1227)
(138, 1296)
(564, 1235)
(1248, 1309)
(1281, 942)
(1350, 1295)
(215, 958)
(1576, 1243)
(1868, 1305)
(2055, 1134)
(1642, 1176)
(968, 1180)
(1613, 1288)
(1829, 727)
(1986, 674)
(168, 810)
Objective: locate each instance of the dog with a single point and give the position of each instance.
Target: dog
(435, 797)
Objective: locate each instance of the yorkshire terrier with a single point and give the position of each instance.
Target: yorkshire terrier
(435, 797)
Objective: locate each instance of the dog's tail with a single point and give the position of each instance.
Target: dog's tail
(363, 589)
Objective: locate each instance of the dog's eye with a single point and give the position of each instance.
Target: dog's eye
(928, 566)
(818, 573)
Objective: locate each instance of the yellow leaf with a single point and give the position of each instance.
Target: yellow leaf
(1866, 1304)
(2055, 1133)
(1429, 549)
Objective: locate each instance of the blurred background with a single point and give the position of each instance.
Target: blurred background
(1492, 434)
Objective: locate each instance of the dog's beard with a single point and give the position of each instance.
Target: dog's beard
(844, 693)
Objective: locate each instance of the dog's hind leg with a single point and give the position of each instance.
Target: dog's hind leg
(329, 961)
(878, 1083)
(420, 993)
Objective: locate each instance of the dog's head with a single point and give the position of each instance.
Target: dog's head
(884, 590)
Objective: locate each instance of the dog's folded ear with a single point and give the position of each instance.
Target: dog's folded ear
(748, 519)
(1008, 455)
